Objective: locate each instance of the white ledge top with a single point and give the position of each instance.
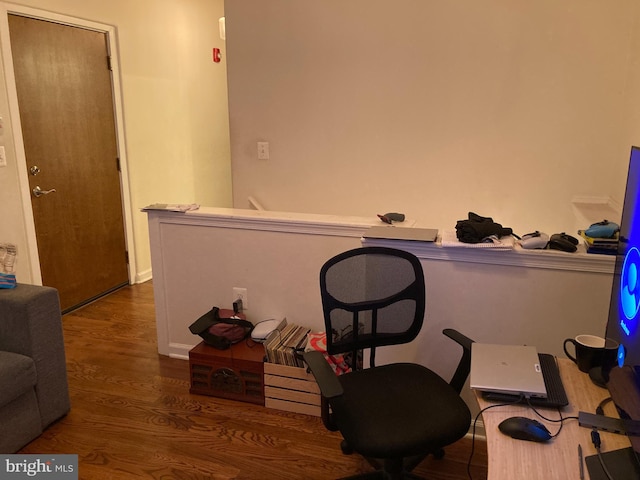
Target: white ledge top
(352, 226)
(286, 216)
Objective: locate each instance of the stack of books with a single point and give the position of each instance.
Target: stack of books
(607, 246)
(286, 343)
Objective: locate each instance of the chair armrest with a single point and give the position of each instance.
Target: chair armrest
(327, 379)
(464, 366)
(459, 338)
(31, 325)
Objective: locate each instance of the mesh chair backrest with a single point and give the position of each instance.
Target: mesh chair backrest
(371, 296)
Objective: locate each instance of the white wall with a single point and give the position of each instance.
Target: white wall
(199, 257)
(536, 297)
(512, 109)
(513, 297)
(175, 111)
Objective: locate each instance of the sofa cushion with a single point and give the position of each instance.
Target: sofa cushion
(17, 375)
(20, 422)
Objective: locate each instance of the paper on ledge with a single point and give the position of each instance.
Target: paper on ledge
(449, 239)
(171, 207)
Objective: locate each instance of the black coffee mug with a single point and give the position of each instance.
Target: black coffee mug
(592, 351)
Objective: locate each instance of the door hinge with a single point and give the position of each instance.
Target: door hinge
(126, 256)
(109, 67)
(118, 164)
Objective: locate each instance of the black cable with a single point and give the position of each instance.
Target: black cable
(561, 420)
(473, 430)
(600, 407)
(595, 439)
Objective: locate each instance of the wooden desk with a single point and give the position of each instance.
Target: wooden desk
(558, 458)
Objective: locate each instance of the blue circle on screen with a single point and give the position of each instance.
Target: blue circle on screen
(621, 355)
(629, 288)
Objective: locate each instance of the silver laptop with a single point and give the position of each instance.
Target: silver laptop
(511, 369)
(402, 233)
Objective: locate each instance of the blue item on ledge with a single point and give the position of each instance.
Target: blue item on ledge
(604, 229)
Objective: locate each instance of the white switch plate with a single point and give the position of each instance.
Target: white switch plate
(263, 150)
(3, 157)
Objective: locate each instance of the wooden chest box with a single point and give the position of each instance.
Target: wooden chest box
(236, 373)
(291, 389)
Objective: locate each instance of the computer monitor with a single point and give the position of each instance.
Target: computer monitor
(623, 324)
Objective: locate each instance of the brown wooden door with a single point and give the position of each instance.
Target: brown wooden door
(66, 109)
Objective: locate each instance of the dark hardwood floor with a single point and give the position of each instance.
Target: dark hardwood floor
(132, 415)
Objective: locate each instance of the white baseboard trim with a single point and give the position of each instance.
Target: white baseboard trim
(142, 277)
(180, 350)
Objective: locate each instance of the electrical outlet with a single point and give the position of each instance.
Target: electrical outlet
(241, 294)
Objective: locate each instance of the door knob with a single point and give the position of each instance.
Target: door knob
(34, 170)
(38, 191)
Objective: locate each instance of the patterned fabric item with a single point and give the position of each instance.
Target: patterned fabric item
(7, 280)
(318, 342)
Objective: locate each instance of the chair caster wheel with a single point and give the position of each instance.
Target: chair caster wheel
(439, 454)
(346, 449)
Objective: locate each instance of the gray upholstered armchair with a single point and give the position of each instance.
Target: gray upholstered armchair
(33, 376)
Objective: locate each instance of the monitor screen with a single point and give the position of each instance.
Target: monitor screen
(624, 319)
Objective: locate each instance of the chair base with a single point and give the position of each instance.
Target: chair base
(392, 469)
(382, 475)
(409, 463)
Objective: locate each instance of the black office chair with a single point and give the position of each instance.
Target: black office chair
(393, 415)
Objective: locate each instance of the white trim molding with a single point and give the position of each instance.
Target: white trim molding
(9, 75)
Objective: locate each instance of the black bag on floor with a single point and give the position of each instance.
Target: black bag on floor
(221, 328)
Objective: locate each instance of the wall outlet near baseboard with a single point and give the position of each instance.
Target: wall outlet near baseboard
(241, 294)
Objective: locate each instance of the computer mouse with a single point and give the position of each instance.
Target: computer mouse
(564, 242)
(523, 428)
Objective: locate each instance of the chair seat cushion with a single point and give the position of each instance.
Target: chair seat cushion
(17, 376)
(399, 410)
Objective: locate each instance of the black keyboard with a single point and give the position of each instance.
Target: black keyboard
(556, 395)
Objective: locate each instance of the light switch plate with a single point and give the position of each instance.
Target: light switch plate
(263, 150)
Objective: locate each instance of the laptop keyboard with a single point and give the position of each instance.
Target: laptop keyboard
(556, 394)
